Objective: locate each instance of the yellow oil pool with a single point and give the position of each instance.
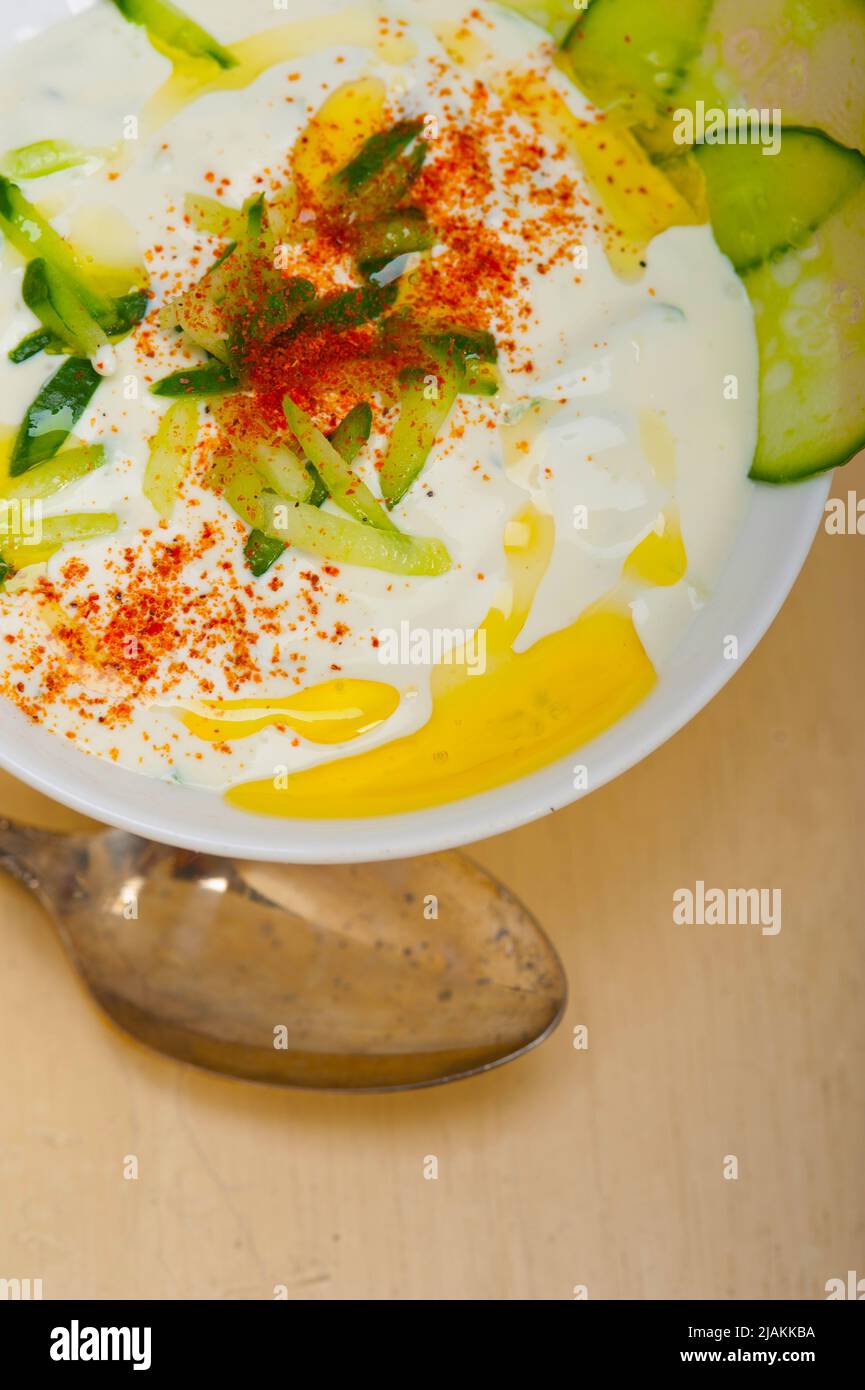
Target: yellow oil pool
(335, 711)
(526, 710)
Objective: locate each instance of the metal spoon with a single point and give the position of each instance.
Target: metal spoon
(348, 977)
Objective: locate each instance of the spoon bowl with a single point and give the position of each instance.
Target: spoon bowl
(351, 977)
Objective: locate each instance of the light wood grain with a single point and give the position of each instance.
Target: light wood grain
(600, 1167)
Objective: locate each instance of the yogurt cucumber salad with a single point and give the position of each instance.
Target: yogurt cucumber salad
(384, 384)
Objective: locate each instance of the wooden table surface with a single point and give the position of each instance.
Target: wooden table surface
(602, 1167)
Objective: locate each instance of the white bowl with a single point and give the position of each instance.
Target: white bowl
(770, 551)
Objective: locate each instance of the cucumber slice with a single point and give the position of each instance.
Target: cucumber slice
(809, 309)
(763, 205)
(630, 55)
(803, 57)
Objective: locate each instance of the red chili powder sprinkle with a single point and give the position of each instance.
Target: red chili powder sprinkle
(170, 614)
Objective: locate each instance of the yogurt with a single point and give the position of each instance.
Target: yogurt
(618, 445)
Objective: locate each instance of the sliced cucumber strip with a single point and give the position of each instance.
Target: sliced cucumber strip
(280, 305)
(244, 491)
(213, 379)
(762, 205)
(44, 157)
(170, 455)
(343, 541)
(212, 217)
(283, 472)
(40, 340)
(51, 296)
(34, 237)
(382, 172)
(128, 311)
(58, 531)
(349, 437)
(347, 490)
(52, 475)
(396, 234)
(810, 320)
(426, 400)
(347, 309)
(261, 552)
(480, 379)
(352, 432)
(463, 344)
(53, 413)
(166, 24)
